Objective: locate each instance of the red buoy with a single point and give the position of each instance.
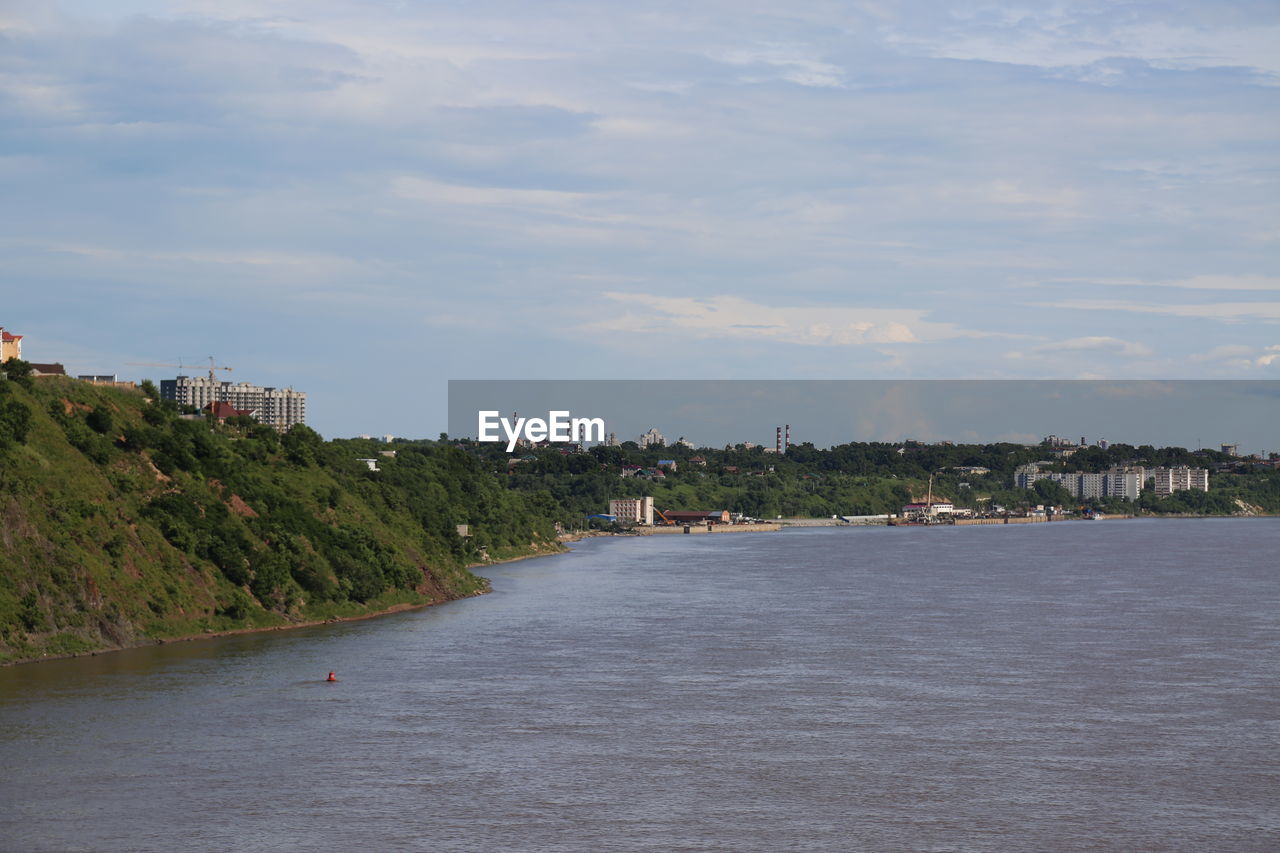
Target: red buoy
(332, 677)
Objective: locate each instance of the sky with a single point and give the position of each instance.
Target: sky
(363, 200)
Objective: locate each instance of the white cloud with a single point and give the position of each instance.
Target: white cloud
(732, 317)
(306, 262)
(1239, 357)
(425, 189)
(1064, 37)
(1198, 282)
(793, 68)
(1224, 352)
(1093, 343)
(1225, 311)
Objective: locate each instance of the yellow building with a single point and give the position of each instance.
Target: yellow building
(10, 345)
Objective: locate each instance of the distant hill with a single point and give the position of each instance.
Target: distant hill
(122, 523)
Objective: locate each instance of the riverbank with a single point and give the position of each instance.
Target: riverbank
(763, 527)
(398, 607)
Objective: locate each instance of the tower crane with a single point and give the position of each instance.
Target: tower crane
(181, 366)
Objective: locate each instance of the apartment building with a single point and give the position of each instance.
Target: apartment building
(653, 438)
(1125, 483)
(1025, 476)
(1117, 482)
(278, 407)
(1091, 485)
(633, 510)
(1179, 479)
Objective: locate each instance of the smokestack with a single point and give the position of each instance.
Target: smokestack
(786, 442)
(777, 444)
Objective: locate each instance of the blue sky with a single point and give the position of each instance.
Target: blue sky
(363, 200)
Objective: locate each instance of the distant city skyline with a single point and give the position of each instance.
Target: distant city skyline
(1186, 414)
(364, 200)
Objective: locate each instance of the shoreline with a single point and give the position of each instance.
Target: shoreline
(403, 607)
(563, 540)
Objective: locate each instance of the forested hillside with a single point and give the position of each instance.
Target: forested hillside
(122, 522)
(865, 478)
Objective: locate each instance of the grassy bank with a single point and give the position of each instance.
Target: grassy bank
(123, 523)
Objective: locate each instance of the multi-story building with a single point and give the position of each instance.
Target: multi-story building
(1125, 483)
(282, 408)
(633, 510)
(1025, 476)
(1092, 485)
(278, 407)
(1115, 482)
(652, 438)
(1181, 478)
(10, 345)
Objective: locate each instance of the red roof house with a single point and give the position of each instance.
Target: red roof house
(223, 410)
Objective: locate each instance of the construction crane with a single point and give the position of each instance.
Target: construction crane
(181, 366)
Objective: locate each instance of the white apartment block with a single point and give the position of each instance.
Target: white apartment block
(278, 407)
(1025, 476)
(1116, 482)
(652, 438)
(1092, 485)
(1179, 479)
(1125, 483)
(633, 510)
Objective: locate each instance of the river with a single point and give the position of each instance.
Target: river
(1075, 686)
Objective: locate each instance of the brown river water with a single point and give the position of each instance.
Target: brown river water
(1054, 687)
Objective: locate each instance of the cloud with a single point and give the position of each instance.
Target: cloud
(424, 189)
(1084, 37)
(1198, 282)
(777, 186)
(1226, 351)
(1223, 311)
(734, 317)
(789, 66)
(1240, 356)
(1094, 343)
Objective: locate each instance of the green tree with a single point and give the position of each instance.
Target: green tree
(99, 419)
(15, 422)
(1049, 492)
(301, 444)
(18, 371)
